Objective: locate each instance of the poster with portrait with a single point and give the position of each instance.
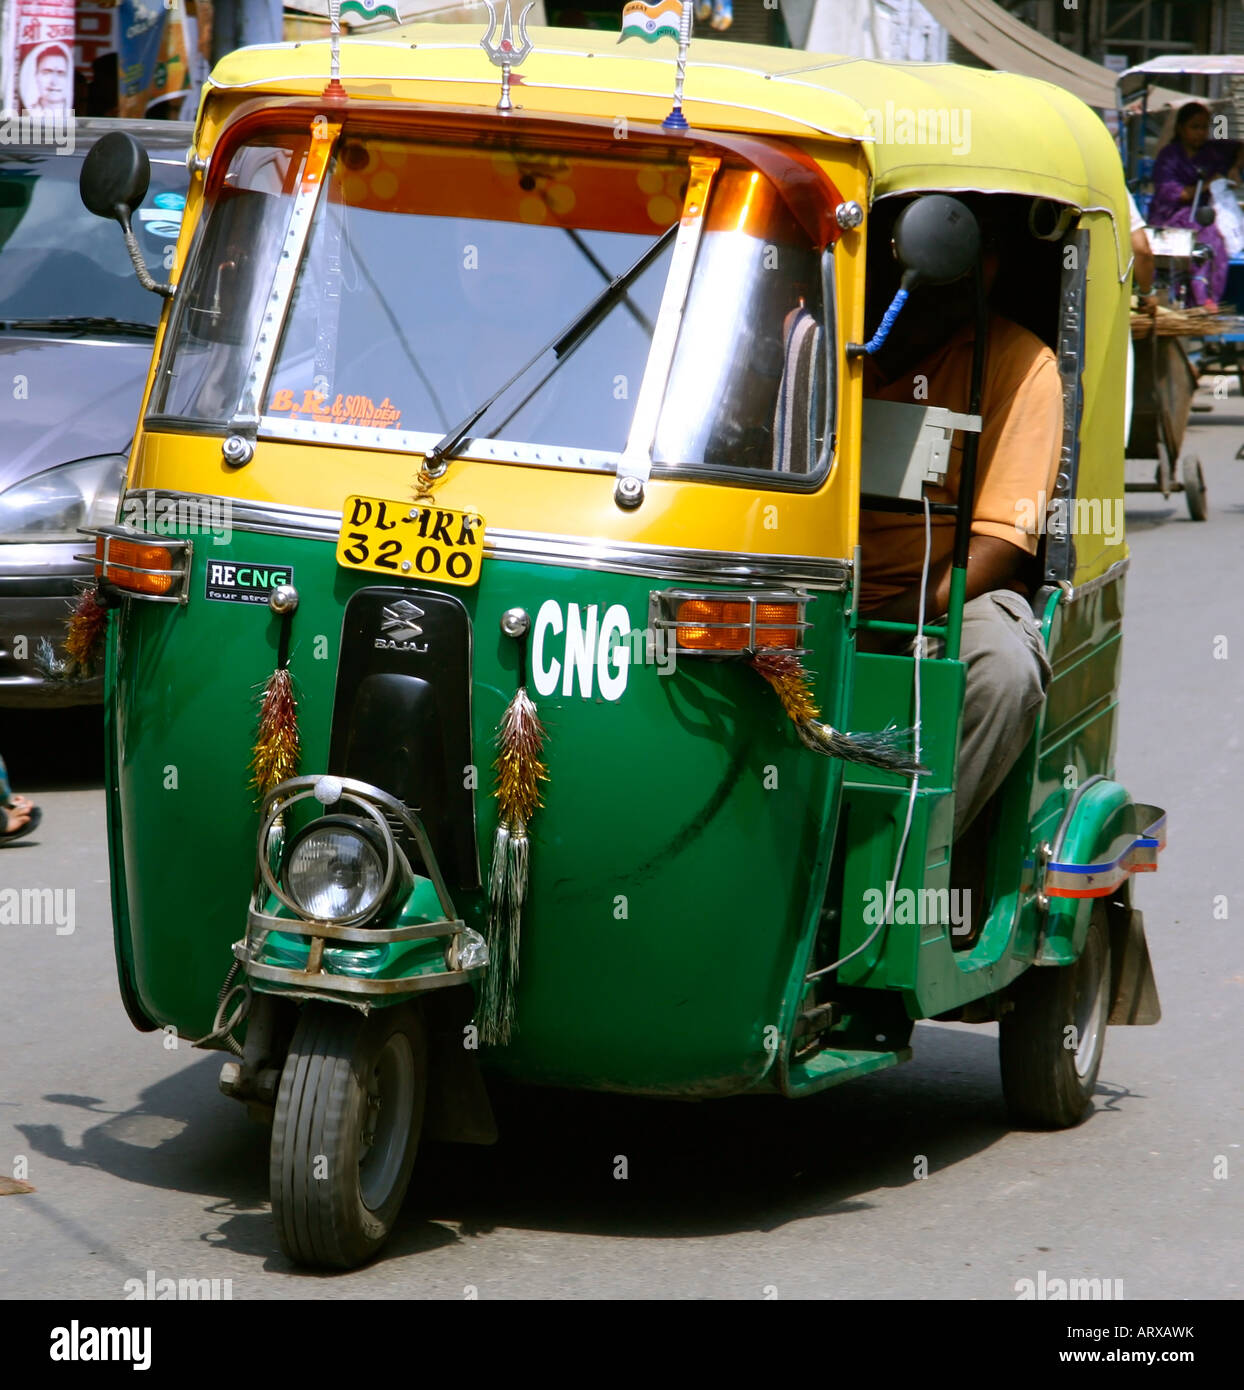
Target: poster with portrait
(8, 98)
(42, 55)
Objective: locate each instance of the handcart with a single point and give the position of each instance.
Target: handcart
(1161, 403)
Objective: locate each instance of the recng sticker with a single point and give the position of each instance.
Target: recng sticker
(230, 581)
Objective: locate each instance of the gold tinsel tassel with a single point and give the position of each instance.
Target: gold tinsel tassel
(520, 741)
(87, 628)
(277, 744)
(793, 686)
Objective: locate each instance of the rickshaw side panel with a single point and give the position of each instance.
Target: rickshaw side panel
(122, 940)
(1078, 726)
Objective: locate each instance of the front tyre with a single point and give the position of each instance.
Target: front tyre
(345, 1131)
(1050, 1044)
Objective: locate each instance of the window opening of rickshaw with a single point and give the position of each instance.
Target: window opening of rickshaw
(386, 341)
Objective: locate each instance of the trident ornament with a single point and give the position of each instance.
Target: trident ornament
(506, 54)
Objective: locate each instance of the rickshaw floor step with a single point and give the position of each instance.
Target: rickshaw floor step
(832, 1066)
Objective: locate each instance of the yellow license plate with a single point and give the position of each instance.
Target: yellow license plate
(411, 540)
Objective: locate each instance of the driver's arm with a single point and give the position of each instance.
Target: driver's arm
(992, 564)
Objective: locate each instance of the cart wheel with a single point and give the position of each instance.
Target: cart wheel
(1194, 488)
(346, 1128)
(1050, 1045)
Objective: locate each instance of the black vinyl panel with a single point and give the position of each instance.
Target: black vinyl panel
(402, 714)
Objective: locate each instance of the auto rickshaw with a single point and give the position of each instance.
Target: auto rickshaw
(481, 625)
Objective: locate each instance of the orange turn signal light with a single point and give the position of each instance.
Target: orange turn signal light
(730, 623)
(126, 560)
(768, 634)
(695, 616)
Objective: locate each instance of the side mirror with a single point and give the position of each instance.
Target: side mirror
(1205, 215)
(936, 239)
(116, 174)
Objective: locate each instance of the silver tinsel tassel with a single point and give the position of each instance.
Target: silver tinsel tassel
(507, 888)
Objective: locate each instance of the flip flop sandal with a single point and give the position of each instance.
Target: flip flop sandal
(8, 836)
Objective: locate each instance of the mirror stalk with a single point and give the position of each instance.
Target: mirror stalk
(145, 278)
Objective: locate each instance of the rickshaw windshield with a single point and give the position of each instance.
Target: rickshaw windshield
(433, 271)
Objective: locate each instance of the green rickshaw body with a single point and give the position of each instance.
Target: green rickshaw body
(676, 869)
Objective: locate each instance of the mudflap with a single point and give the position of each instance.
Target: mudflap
(458, 1110)
(1134, 991)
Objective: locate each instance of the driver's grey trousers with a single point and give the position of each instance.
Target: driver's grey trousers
(1006, 679)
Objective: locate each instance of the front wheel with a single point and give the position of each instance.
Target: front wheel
(1050, 1044)
(345, 1131)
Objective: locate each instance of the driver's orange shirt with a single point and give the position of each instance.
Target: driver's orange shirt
(1016, 464)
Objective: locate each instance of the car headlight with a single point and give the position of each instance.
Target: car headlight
(333, 869)
(55, 504)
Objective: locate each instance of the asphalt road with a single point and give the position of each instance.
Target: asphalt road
(139, 1164)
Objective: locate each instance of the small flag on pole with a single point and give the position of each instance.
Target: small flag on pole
(651, 22)
(370, 9)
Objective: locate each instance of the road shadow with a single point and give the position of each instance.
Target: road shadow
(588, 1164)
(1154, 518)
(55, 749)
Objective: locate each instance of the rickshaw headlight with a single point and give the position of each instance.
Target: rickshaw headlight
(334, 870)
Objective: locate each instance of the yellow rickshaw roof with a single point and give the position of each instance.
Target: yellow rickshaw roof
(923, 126)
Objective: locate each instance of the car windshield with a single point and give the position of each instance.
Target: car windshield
(57, 260)
(433, 271)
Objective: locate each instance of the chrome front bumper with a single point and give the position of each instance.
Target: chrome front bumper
(316, 980)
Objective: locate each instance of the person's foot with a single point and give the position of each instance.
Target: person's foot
(1210, 306)
(18, 821)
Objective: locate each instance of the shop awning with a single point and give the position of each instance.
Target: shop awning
(1136, 79)
(1006, 43)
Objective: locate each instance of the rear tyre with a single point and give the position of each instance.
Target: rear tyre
(1194, 489)
(345, 1131)
(1050, 1044)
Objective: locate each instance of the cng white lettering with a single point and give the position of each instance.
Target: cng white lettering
(612, 663)
(580, 649)
(549, 616)
(589, 651)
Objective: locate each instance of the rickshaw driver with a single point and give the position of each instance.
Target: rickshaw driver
(927, 359)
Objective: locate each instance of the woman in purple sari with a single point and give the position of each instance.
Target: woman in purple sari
(1191, 157)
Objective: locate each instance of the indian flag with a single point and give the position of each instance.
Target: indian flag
(651, 22)
(369, 9)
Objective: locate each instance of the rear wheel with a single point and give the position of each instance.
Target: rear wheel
(1194, 488)
(1051, 1042)
(348, 1115)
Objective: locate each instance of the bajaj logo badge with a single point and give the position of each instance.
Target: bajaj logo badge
(400, 623)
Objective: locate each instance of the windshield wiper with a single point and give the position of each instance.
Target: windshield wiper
(83, 323)
(566, 340)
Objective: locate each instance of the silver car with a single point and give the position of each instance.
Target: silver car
(76, 331)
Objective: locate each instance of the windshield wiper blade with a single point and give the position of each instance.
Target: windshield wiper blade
(82, 323)
(603, 271)
(568, 338)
